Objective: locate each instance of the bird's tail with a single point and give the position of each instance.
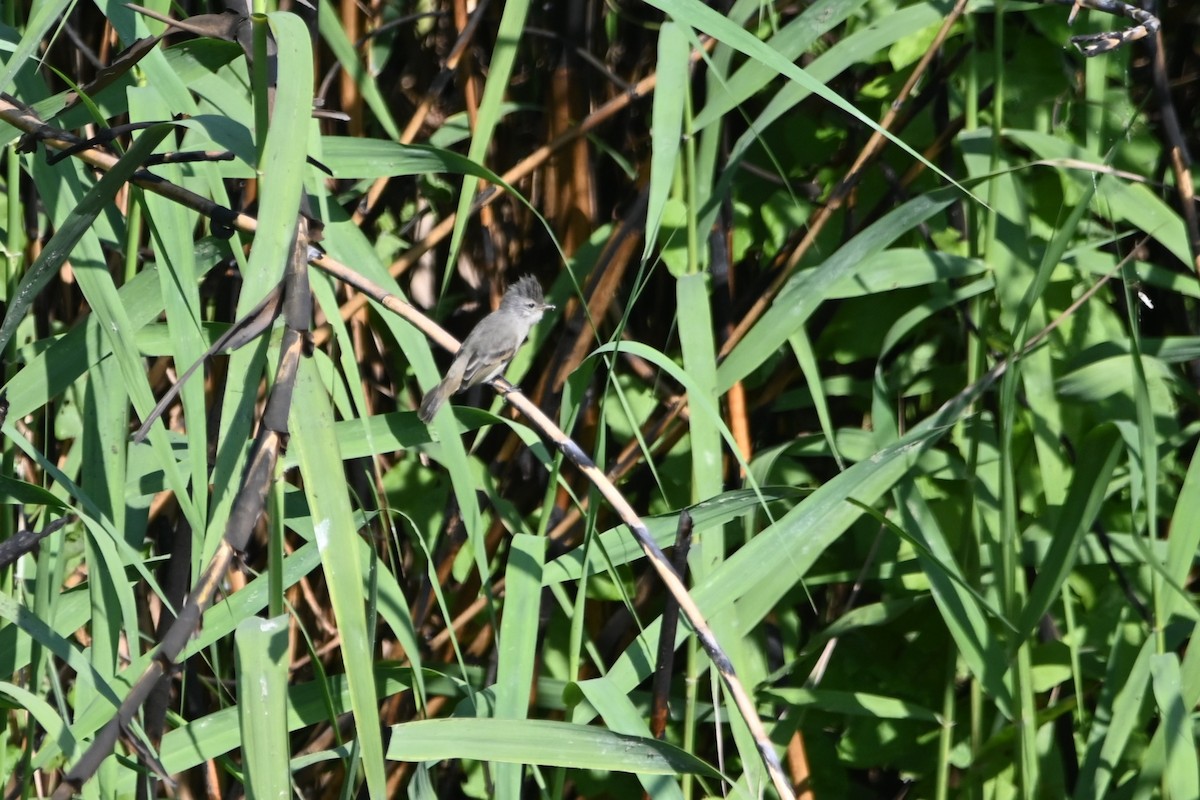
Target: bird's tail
(433, 401)
(437, 395)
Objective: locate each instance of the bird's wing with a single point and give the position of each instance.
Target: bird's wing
(489, 349)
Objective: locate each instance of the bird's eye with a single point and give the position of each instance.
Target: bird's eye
(530, 304)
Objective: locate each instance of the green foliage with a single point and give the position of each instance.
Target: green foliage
(933, 419)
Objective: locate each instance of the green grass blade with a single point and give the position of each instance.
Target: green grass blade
(559, 744)
(806, 290)
(791, 42)
(284, 163)
(1182, 777)
(667, 125)
(1088, 490)
(337, 539)
(616, 547)
(1121, 711)
(262, 679)
(44, 16)
(711, 22)
(518, 644)
(74, 226)
(622, 717)
(499, 73)
(1183, 539)
(343, 49)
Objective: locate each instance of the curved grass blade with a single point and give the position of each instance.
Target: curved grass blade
(556, 744)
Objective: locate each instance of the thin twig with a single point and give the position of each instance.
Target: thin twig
(23, 542)
(664, 662)
(1095, 44)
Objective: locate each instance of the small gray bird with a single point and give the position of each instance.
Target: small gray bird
(491, 345)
